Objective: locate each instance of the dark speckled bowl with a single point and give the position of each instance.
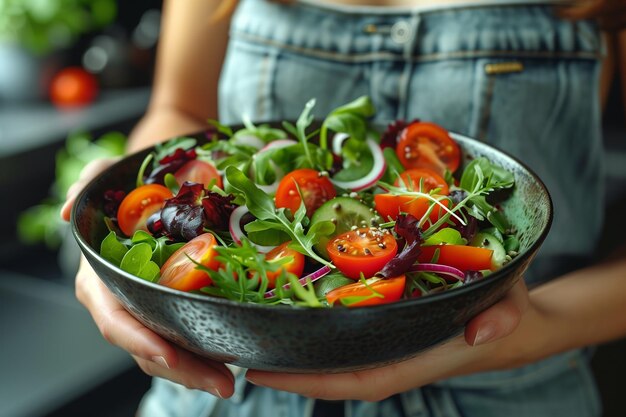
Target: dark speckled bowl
(296, 339)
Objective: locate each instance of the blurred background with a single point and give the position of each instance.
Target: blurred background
(75, 77)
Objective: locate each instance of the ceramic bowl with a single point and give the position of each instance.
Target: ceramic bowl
(300, 339)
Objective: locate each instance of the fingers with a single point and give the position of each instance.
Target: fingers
(501, 319)
(194, 373)
(155, 356)
(90, 170)
(371, 385)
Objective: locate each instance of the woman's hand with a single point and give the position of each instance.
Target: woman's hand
(476, 350)
(153, 354)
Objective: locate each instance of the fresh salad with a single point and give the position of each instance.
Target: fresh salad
(319, 214)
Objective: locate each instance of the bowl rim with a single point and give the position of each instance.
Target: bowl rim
(297, 309)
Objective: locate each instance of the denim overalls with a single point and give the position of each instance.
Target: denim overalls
(514, 76)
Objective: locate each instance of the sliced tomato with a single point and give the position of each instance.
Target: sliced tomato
(389, 206)
(180, 272)
(316, 189)
(380, 291)
(294, 266)
(427, 145)
(198, 171)
(139, 205)
(428, 179)
(465, 258)
(362, 251)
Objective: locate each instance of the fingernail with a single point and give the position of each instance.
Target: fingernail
(214, 391)
(65, 210)
(160, 360)
(484, 334)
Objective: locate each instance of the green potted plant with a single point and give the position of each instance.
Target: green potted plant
(31, 30)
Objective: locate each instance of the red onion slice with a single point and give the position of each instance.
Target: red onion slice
(314, 276)
(278, 144)
(377, 171)
(234, 226)
(249, 140)
(439, 269)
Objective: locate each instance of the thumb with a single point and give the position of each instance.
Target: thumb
(499, 320)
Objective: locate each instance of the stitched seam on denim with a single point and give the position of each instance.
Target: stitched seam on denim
(356, 58)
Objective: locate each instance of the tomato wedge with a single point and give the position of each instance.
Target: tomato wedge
(139, 205)
(428, 178)
(359, 295)
(465, 258)
(294, 266)
(427, 145)
(389, 206)
(200, 172)
(366, 250)
(180, 272)
(316, 189)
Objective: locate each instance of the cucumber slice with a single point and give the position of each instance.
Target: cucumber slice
(489, 241)
(344, 212)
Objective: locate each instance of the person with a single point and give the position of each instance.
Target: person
(522, 75)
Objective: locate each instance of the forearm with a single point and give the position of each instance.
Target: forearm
(189, 59)
(583, 308)
(161, 124)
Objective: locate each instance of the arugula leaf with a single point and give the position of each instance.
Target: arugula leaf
(262, 207)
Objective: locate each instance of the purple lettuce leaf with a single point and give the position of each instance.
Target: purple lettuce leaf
(169, 165)
(193, 209)
(407, 226)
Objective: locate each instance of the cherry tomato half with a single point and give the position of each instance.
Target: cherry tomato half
(389, 206)
(366, 250)
(294, 266)
(465, 258)
(73, 87)
(429, 179)
(316, 189)
(427, 145)
(359, 295)
(201, 172)
(139, 205)
(180, 272)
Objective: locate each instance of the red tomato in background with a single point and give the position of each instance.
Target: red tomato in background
(391, 290)
(366, 250)
(295, 266)
(180, 272)
(427, 145)
(315, 188)
(200, 172)
(73, 87)
(139, 205)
